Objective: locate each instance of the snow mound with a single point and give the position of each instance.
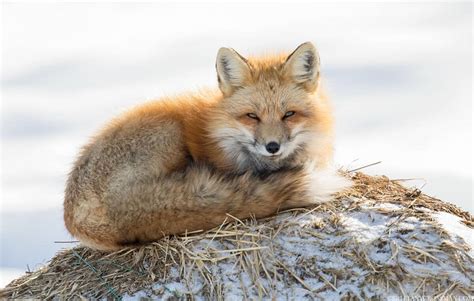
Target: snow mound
(376, 240)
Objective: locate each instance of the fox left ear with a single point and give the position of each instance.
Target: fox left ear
(302, 66)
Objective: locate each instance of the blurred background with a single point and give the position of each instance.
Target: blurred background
(399, 75)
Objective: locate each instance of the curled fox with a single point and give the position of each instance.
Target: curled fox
(262, 143)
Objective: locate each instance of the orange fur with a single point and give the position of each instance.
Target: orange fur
(181, 163)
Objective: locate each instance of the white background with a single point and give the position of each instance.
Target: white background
(399, 75)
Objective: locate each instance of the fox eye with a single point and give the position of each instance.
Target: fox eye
(288, 114)
(253, 116)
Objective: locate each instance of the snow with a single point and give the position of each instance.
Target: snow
(456, 229)
(366, 227)
(68, 68)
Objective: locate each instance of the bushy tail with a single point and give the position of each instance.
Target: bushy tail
(147, 208)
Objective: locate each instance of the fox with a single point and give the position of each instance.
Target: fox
(260, 143)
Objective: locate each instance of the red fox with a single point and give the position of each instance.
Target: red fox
(260, 144)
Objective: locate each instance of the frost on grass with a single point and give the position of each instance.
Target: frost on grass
(376, 240)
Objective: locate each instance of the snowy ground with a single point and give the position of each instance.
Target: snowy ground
(332, 254)
(399, 75)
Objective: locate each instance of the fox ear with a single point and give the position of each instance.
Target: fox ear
(302, 66)
(232, 70)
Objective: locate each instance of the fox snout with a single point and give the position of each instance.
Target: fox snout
(271, 137)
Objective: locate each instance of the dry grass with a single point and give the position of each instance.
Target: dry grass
(298, 254)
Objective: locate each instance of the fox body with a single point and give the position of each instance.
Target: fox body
(259, 144)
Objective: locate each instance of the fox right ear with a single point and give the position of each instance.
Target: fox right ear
(302, 66)
(232, 70)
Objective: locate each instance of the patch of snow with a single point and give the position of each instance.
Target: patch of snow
(456, 229)
(366, 226)
(136, 296)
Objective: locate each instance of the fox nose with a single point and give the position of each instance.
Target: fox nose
(272, 147)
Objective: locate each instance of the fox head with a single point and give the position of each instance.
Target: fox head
(272, 114)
